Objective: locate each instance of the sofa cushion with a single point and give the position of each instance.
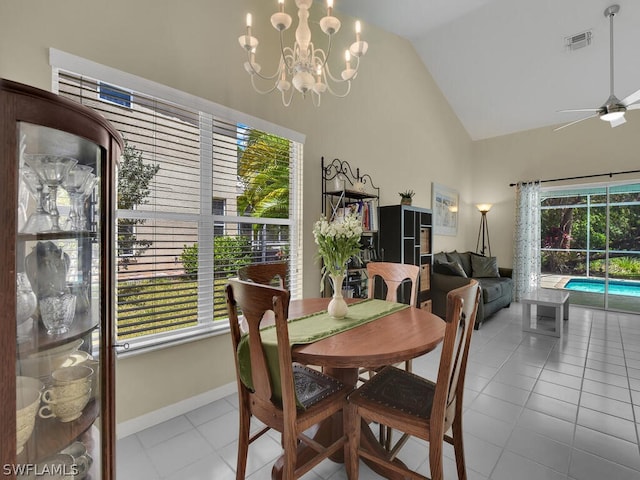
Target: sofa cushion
(491, 289)
(440, 258)
(463, 259)
(484, 266)
(449, 268)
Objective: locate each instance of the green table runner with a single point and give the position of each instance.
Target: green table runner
(309, 329)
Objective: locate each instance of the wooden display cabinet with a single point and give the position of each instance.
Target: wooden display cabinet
(57, 245)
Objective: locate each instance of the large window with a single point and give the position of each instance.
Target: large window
(590, 243)
(208, 190)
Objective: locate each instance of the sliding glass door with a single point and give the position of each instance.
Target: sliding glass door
(590, 244)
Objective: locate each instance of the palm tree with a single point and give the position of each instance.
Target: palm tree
(263, 170)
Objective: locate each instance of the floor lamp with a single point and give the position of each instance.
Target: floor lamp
(484, 229)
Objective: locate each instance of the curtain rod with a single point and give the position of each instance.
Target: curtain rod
(610, 174)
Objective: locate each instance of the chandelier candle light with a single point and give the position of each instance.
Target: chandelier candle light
(337, 242)
(303, 65)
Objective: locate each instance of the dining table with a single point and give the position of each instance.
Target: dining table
(392, 338)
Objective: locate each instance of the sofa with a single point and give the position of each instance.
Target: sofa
(454, 269)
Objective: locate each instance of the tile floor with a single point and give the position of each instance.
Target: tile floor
(536, 407)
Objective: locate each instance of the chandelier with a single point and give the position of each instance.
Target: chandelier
(302, 65)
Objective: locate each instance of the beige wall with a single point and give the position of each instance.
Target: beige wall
(395, 125)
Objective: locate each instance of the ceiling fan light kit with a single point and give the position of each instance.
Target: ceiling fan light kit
(614, 109)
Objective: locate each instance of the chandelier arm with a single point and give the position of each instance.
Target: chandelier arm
(286, 53)
(319, 53)
(340, 95)
(260, 91)
(286, 102)
(255, 72)
(341, 80)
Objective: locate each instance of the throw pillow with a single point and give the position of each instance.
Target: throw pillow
(484, 266)
(449, 268)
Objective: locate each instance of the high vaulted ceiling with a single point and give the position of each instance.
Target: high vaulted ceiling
(503, 64)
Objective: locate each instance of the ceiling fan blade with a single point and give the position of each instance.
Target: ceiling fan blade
(580, 110)
(635, 106)
(617, 122)
(631, 99)
(574, 122)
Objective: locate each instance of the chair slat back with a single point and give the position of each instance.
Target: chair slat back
(394, 275)
(255, 300)
(271, 273)
(462, 306)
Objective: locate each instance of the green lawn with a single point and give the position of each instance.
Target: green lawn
(162, 304)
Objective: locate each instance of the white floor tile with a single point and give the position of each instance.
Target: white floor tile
(585, 466)
(540, 449)
(551, 406)
(487, 428)
(164, 431)
(209, 412)
(512, 466)
(559, 392)
(176, 453)
(609, 424)
(611, 448)
(551, 427)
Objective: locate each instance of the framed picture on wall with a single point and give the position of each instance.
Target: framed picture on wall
(444, 203)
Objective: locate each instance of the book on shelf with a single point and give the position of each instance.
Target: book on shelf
(367, 210)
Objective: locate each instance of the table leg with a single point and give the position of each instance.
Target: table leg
(559, 317)
(526, 317)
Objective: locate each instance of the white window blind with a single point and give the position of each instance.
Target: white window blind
(224, 194)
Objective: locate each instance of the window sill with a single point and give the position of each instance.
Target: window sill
(150, 343)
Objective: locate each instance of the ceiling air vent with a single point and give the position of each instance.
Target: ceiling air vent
(579, 40)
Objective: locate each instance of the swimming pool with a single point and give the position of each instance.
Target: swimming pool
(628, 288)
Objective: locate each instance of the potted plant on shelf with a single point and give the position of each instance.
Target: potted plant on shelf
(406, 196)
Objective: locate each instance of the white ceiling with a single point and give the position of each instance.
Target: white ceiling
(503, 65)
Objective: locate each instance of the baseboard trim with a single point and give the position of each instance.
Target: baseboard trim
(135, 425)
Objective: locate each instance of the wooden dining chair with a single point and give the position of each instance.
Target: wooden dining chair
(416, 406)
(395, 276)
(270, 273)
(320, 396)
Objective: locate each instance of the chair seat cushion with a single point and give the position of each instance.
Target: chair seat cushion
(312, 386)
(399, 390)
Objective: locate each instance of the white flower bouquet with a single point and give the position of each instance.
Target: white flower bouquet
(337, 242)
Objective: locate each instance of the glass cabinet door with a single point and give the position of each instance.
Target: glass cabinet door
(59, 280)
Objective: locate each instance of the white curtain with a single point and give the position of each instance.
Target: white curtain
(526, 255)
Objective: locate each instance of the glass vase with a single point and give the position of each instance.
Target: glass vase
(337, 307)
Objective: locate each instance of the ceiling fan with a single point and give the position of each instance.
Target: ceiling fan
(613, 110)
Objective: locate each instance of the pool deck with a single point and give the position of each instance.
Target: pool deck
(555, 281)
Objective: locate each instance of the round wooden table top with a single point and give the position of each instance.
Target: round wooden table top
(394, 338)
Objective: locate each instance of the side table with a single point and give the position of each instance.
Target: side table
(557, 300)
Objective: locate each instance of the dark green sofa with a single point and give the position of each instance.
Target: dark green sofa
(496, 285)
